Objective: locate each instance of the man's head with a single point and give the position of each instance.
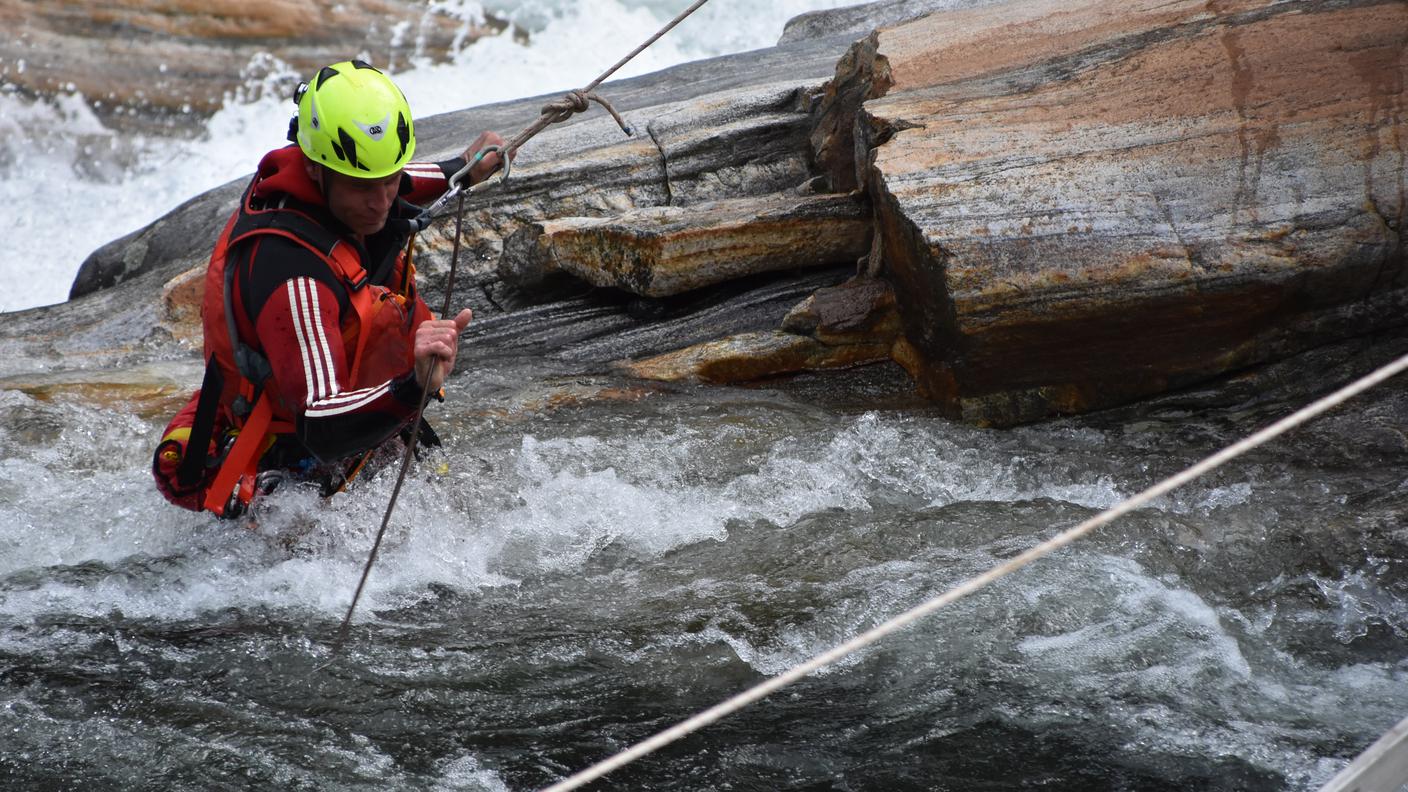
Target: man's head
(360, 204)
(355, 128)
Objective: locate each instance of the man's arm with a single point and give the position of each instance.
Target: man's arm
(430, 180)
(300, 332)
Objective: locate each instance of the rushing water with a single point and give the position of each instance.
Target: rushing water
(69, 184)
(560, 583)
(586, 562)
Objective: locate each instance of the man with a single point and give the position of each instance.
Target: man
(318, 345)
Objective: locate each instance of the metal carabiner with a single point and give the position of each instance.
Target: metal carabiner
(505, 165)
(421, 221)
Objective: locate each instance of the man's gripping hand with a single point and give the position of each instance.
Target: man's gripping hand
(437, 341)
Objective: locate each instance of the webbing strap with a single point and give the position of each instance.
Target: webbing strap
(192, 468)
(242, 463)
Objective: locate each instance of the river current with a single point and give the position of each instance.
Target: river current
(588, 560)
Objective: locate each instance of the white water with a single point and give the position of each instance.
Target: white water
(70, 185)
(1097, 636)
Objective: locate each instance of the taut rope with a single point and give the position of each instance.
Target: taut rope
(971, 585)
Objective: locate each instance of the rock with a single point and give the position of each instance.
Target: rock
(175, 243)
(858, 21)
(851, 324)
(1080, 205)
(667, 250)
(752, 356)
(1073, 204)
(143, 58)
(181, 299)
(859, 311)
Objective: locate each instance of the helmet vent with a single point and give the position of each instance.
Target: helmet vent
(403, 133)
(349, 149)
(324, 74)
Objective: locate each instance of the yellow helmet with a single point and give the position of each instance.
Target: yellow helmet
(353, 119)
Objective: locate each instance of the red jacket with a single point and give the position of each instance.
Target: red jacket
(328, 323)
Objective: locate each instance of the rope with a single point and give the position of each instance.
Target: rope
(576, 101)
(416, 422)
(570, 104)
(971, 585)
(553, 112)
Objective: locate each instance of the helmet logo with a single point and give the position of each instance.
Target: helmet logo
(375, 131)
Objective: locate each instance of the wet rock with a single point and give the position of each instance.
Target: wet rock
(752, 356)
(859, 20)
(851, 324)
(154, 58)
(1073, 205)
(1081, 205)
(859, 311)
(667, 250)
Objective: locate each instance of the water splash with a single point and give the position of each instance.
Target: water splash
(73, 184)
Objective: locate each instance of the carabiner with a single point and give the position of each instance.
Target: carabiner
(505, 165)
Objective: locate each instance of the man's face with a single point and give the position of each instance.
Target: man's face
(361, 204)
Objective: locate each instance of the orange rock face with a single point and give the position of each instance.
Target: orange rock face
(184, 56)
(1082, 203)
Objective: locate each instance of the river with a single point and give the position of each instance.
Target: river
(588, 560)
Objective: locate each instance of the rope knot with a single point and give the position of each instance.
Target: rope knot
(571, 103)
(578, 100)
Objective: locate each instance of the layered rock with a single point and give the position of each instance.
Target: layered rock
(852, 324)
(1069, 205)
(136, 59)
(1081, 204)
(667, 250)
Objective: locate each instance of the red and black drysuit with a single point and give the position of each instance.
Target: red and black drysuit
(309, 340)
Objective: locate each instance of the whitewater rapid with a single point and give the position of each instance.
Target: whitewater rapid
(70, 184)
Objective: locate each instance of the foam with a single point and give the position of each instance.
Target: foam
(72, 185)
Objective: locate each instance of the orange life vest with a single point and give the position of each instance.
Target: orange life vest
(378, 336)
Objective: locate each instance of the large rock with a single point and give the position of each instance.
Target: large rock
(725, 128)
(1072, 205)
(667, 250)
(142, 58)
(1080, 204)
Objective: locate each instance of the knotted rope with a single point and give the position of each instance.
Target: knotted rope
(570, 104)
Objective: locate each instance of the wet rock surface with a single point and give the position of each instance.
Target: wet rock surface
(1034, 207)
(148, 60)
(668, 250)
(1081, 206)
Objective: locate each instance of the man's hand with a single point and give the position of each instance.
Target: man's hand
(486, 166)
(437, 341)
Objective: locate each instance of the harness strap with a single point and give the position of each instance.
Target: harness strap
(192, 468)
(242, 462)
